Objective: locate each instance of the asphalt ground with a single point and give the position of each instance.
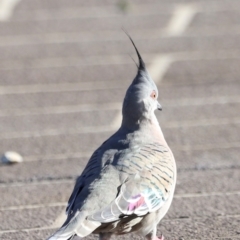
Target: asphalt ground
(64, 70)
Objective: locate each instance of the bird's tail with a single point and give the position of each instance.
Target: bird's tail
(77, 225)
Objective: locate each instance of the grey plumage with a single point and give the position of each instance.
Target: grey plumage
(128, 183)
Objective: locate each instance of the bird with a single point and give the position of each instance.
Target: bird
(129, 181)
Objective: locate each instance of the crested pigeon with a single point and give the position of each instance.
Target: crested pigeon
(129, 181)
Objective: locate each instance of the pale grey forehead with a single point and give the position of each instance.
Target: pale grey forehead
(146, 82)
(141, 89)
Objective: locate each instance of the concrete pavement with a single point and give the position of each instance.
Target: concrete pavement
(64, 70)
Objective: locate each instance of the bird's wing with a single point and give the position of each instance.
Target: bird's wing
(85, 196)
(152, 177)
(91, 170)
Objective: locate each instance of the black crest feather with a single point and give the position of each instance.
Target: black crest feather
(141, 62)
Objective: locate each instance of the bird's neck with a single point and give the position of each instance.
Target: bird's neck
(134, 120)
(146, 125)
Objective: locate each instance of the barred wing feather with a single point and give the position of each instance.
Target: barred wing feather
(145, 190)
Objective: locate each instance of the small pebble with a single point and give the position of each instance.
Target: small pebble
(11, 157)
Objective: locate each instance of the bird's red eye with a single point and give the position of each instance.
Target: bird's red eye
(153, 95)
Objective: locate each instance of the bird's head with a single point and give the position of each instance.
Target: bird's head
(140, 100)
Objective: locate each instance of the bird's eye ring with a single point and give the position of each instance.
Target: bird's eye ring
(153, 95)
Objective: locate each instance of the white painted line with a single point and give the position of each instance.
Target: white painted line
(59, 220)
(212, 31)
(76, 37)
(21, 207)
(45, 182)
(202, 123)
(58, 132)
(25, 230)
(61, 87)
(52, 157)
(197, 195)
(232, 237)
(193, 219)
(209, 55)
(180, 20)
(181, 102)
(107, 12)
(64, 61)
(6, 9)
(115, 60)
(207, 147)
(60, 109)
(159, 67)
(157, 70)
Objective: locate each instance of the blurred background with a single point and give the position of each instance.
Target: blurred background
(64, 70)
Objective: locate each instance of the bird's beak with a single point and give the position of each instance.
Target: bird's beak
(159, 107)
